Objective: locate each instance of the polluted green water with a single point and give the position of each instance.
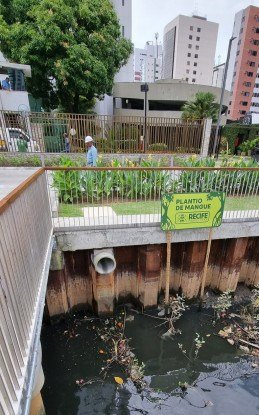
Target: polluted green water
(222, 381)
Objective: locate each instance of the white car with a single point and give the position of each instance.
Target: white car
(15, 138)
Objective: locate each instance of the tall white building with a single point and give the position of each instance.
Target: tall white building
(148, 63)
(123, 9)
(189, 49)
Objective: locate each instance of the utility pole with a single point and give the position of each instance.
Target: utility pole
(222, 94)
(145, 88)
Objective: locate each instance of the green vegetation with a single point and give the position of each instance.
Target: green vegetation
(157, 147)
(78, 43)
(202, 106)
(154, 207)
(230, 133)
(93, 186)
(249, 145)
(71, 211)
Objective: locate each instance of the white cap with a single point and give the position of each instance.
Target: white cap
(88, 139)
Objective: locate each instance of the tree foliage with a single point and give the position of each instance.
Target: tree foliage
(74, 47)
(202, 106)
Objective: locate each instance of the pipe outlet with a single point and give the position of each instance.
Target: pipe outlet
(104, 261)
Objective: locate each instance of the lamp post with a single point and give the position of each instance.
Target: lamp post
(222, 94)
(145, 88)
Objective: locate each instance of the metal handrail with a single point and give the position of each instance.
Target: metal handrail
(152, 168)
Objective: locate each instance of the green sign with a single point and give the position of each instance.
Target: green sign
(192, 210)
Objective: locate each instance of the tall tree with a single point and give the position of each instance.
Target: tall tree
(202, 106)
(75, 48)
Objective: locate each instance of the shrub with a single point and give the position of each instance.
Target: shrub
(158, 147)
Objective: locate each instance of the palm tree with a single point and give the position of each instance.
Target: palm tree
(203, 106)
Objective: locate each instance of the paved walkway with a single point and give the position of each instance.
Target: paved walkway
(11, 177)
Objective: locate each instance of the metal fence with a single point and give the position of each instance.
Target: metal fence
(114, 196)
(56, 132)
(25, 240)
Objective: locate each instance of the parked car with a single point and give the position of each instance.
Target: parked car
(15, 139)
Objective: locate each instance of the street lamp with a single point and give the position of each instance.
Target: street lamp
(145, 88)
(222, 94)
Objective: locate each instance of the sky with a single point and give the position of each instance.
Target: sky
(151, 16)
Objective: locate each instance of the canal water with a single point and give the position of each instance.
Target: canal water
(221, 381)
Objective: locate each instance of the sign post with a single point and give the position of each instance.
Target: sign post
(181, 211)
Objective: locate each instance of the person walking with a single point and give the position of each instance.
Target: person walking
(91, 157)
(67, 143)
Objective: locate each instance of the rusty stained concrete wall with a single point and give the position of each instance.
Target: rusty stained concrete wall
(140, 274)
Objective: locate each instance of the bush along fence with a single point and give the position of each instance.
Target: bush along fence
(49, 132)
(138, 190)
(240, 138)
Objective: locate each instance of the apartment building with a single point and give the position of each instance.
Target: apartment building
(148, 63)
(243, 74)
(189, 49)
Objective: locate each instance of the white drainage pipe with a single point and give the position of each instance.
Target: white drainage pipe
(104, 261)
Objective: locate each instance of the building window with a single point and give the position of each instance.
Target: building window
(193, 80)
(189, 46)
(191, 28)
(187, 79)
(245, 93)
(256, 94)
(194, 72)
(197, 47)
(195, 64)
(190, 37)
(242, 112)
(189, 55)
(230, 102)
(257, 30)
(241, 30)
(253, 52)
(256, 85)
(248, 84)
(198, 38)
(239, 42)
(187, 70)
(123, 2)
(243, 18)
(255, 42)
(252, 64)
(188, 63)
(196, 55)
(123, 31)
(250, 74)
(244, 103)
(238, 52)
(198, 29)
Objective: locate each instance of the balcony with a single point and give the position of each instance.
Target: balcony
(14, 101)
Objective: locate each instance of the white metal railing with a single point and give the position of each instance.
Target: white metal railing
(106, 196)
(25, 246)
